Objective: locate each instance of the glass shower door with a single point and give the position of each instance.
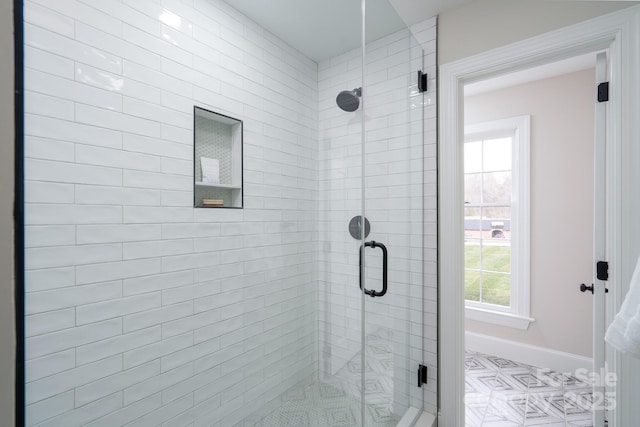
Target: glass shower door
(371, 216)
(392, 272)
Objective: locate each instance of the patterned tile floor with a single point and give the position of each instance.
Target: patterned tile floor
(335, 401)
(501, 392)
(378, 372)
(324, 405)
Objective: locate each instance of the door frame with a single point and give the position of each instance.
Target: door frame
(619, 33)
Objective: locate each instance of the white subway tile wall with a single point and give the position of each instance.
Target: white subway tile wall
(142, 310)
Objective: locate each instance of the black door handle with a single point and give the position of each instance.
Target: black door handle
(585, 288)
(374, 244)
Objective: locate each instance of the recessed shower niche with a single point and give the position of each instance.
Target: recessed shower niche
(217, 160)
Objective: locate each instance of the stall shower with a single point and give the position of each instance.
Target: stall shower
(212, 237)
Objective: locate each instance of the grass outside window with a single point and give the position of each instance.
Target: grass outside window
(492, 284)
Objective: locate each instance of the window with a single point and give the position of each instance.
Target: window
(496, 221)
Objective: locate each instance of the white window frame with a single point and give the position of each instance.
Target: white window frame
(517, 314)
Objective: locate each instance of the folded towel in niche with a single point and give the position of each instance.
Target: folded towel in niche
(624, 332)
(210, 170)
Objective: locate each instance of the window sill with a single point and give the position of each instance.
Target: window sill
(498, 318)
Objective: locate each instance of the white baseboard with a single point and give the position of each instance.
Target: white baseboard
(554, 360)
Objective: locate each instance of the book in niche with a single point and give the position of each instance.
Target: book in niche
(212, 202)
(210, 170)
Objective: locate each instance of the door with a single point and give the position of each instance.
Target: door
(600, 274)
(519, 367)
(391, 255)
(615, 32)
(371, 233)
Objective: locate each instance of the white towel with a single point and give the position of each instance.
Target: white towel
(210, 170)
(624, 332)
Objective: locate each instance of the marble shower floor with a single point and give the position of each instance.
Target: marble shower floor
(324, 405)
(335, 402)
(501, 392)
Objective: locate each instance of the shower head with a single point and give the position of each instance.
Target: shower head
(349, 100)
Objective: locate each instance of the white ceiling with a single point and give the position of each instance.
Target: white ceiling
(414, 11)
(322, 29)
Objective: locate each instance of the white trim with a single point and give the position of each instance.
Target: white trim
(498, 317)
(619, 32)
(519, 127)
(623, 203)
(541, 357)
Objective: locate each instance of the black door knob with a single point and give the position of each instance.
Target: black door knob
(585, 288)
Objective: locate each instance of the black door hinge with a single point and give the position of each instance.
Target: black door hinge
(422, 81)
(602, 270)
(603, 92)
(422, 375)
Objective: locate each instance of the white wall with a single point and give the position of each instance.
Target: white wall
(562, 114)
(486, 24)
(7, 301)
(625, 204)
(140, 306)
